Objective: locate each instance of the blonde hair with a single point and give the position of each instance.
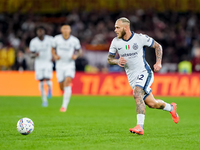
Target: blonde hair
(124, 20)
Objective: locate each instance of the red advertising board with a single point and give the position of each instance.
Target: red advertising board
(16, 83)
(117, 84)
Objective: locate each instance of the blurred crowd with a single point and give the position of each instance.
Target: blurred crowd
(178, 33)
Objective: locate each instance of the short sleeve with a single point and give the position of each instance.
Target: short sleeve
(32, 46)
(51, 40)
(147, 41)
(54, 45)
(77, 44)
(112, 49)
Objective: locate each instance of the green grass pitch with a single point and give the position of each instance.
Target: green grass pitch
(98, 123)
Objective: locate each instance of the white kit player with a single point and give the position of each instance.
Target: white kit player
(66, 49)
(131, 49)
(40, 47)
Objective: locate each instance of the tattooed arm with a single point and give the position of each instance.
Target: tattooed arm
(77, 54)
(112, 61)
(158, 50)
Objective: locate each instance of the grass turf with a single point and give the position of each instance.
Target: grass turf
(97, 123)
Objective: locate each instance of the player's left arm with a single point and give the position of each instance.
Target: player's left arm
(78, 50)
(158, 50)
(77, 54)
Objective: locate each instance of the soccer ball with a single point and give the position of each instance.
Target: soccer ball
(25, 126)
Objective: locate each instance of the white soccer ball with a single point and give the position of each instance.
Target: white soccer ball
(25, 126)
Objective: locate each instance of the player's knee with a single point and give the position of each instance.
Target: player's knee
(137, 96)
(67, 83)
(152, 105)
(138, 93)
(61, 88)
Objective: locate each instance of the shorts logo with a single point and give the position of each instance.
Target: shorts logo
(135, 46)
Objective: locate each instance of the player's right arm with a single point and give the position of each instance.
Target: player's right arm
(55, 56)
(112, 61)
(34, 54)
(111, 56)
(33, 49)
(53, 48)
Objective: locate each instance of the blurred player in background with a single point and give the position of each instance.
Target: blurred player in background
(66, 49)
(130, 47)
(40, 47)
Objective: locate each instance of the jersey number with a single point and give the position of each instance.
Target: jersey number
(140, 77)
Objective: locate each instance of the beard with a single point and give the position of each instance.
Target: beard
(123, 33)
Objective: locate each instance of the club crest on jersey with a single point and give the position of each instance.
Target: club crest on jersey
(135, 46)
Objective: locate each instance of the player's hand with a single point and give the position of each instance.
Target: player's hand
(74, 57)
(34, 55)
(56, 57)
(122, 62)
(157, 67)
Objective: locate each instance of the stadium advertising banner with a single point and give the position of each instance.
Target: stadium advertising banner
(24, 84)
(117, 84)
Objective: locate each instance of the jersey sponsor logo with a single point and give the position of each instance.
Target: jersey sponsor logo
(129, 54)
(42, 49)
(63, 48)
(135, 46)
